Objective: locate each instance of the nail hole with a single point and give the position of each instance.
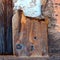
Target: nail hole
(19, 46)
(35, 38)
(32, 48)
(56, 15)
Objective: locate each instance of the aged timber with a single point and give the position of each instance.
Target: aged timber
(32, 38)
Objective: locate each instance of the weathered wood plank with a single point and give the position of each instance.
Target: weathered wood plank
(31, 39)
(15, 27)
(36, 35)
(5, 26)
(24, 58)
(44, 38)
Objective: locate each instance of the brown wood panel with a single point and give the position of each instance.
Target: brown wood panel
(32, 38)
(44, 38)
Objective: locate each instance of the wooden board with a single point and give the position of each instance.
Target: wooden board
(6, 13)
(32, 38)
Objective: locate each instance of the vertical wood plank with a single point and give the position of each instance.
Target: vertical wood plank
(5, 24)
(32, 37)
(44, 38)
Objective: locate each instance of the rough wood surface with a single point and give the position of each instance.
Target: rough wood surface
(32, 36)
(5, 26)
(54, 57)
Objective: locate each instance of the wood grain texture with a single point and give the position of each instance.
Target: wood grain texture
(5, 26)
(32, 39)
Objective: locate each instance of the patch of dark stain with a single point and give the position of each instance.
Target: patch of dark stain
(35, 38)
(56, 15)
